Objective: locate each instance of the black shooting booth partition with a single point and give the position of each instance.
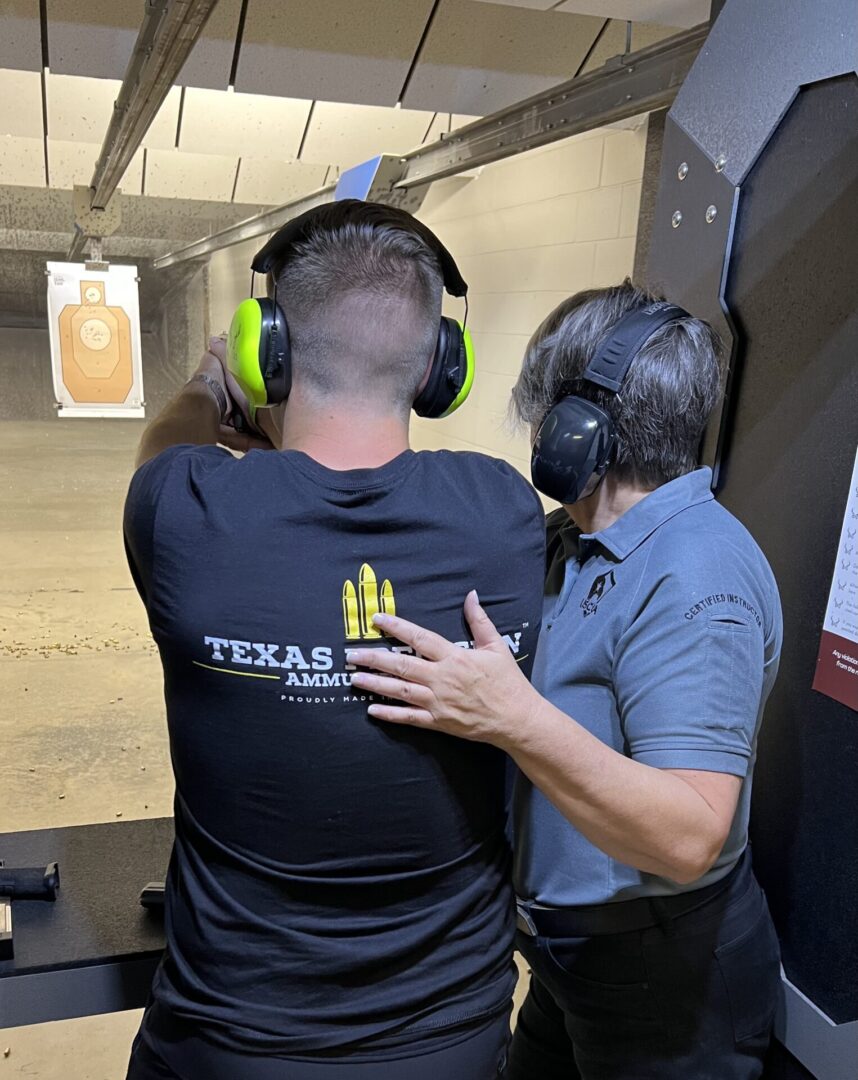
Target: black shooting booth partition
(756, 229)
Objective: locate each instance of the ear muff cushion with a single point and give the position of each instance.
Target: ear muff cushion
(575, 442)
(242, 353)
(451, 375)
(275, 353)
(466, 356)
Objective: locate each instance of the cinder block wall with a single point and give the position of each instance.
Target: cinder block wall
(527, 233)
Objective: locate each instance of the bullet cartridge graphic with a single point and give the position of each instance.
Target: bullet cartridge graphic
(359, 605)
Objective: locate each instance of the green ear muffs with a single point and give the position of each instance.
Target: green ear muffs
(452, 373)
(258, 353)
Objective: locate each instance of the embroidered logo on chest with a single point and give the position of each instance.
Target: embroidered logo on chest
(601, 586)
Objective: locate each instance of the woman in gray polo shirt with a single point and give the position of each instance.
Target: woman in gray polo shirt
(652, 950)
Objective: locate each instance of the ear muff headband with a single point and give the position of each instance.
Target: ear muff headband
(355, 211)
(577, 440)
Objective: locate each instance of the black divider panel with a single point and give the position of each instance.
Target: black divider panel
(793, 290)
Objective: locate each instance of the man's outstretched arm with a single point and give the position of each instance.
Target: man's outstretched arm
(202, 413)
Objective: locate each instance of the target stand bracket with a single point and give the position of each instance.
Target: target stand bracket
(92, 224)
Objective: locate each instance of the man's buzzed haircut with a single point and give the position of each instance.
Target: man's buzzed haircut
(363, 305)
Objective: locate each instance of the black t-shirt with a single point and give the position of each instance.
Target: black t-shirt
(334, 879)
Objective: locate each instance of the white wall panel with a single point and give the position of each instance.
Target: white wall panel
(346, 135)
(624, 156)
(214, 121)
(21, 38)
(598, 215)
(668, 12)
(210, 63)
(276, 182)
(571, 166)
(162, 134)
(357, 51)
(481, 57)
(445, 123)
(532, 5)
(80, 109)
(71, 163)
(96, 38)
(22, 161)
(614, 261)
(21, 103)
(173, 174)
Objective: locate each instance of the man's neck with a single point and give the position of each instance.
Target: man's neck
(343, 436)
(611, 499)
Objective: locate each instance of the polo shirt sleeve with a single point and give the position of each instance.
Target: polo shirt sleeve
(688, 669)
(155, 486)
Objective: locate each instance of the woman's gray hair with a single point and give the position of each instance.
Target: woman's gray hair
(666, 398)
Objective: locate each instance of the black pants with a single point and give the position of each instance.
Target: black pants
(690, 998)
(478, 1052)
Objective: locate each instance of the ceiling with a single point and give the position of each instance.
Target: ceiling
(684, 13)
(272, 105)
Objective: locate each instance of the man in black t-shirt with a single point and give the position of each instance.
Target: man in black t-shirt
(338, 901)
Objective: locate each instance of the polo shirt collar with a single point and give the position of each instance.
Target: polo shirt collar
(639, 523)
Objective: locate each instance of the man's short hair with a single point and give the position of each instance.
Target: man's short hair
(667, 395)
(363, 305)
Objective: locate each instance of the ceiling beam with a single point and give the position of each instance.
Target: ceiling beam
(624, 87)
(167, 35)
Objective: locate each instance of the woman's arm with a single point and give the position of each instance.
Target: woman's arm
(673, 823)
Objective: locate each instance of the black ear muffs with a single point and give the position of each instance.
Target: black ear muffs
(574, 443)
(275, 354)
(577, 439)
(446, 375)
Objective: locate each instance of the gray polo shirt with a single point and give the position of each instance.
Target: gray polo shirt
(661, 635)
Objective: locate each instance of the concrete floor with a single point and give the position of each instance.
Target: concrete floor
(82, 724)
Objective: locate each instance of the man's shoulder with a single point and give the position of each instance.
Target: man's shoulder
(183, 455)
(481, 468)
(487, 497)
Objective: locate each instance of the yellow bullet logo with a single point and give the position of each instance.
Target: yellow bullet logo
(359, 605)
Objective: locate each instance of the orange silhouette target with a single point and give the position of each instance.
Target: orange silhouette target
(95, 348)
